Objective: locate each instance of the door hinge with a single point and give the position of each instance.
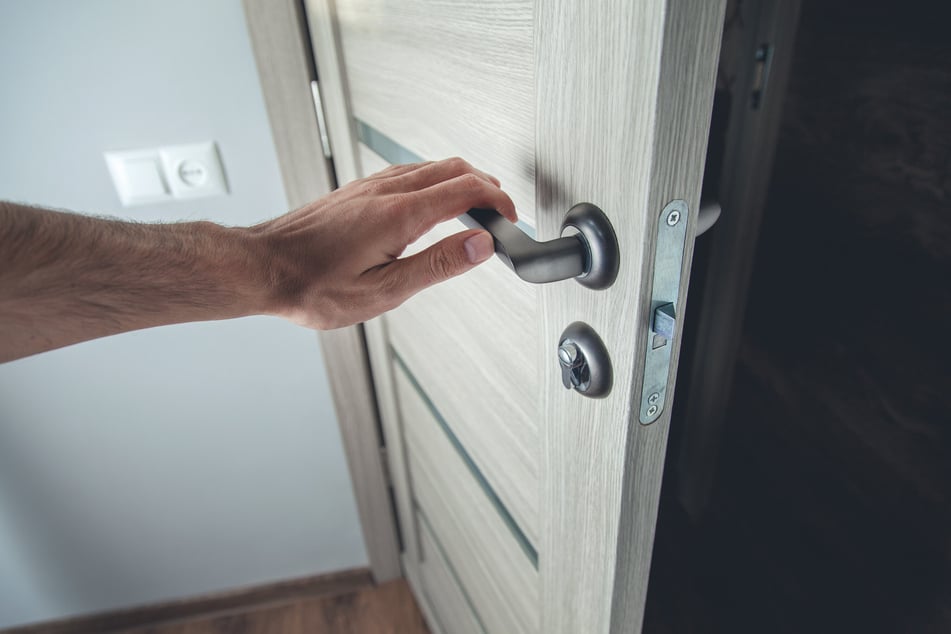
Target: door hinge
(321, 122)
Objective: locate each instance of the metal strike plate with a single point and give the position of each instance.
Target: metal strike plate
(664, 310)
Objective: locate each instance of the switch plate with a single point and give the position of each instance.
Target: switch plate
(163, 174)
(138, 177)
(194, 170)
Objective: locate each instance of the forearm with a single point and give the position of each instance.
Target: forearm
(66, 278)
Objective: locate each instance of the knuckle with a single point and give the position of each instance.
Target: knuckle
(399, 204)
(459, 164)
(376, 187)
(417, 230)
(410, 168)
(470, 182)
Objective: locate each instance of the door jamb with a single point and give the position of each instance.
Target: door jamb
(744, 182)
(286, 67)
(325, 38)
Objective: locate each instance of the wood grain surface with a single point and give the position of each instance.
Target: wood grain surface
(348, 371)
(427, 318)
(601, 469)
(491, 565)
(283, 62)
(384, 609)
(601, 472)
(471, 343)
(453, 610)
(324, 33)
(447, 78)
(381, 364)
(487, 388)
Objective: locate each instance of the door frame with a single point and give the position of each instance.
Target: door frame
(321, 19)
(744, 183)
(286, 67)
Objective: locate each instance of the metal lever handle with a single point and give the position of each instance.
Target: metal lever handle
(707, 216)
(590, 255)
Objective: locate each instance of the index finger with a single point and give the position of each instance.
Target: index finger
(454, 197)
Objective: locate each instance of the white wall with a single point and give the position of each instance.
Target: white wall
(173, 461)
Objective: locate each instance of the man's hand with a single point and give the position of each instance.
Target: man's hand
(335, 261)
(66, 278)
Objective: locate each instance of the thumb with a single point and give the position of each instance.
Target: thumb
(447, 258)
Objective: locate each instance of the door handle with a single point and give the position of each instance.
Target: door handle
(707, 216)
(589, 253)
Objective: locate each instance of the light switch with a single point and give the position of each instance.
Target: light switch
(137, 176)
(194, 170)
(162, 174)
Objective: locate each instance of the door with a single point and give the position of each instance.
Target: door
(525, 506)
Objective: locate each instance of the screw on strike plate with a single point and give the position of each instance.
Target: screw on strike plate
(673, 218)
(651, 410)
(653, 398)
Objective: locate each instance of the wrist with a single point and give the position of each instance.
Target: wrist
(285, 268)
(244, 263)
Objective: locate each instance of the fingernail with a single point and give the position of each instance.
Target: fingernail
(479, 247)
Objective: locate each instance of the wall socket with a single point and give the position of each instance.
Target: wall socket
(155, 175)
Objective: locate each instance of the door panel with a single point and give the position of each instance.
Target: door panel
(370, 161)
(483, 377)
(541, 502)
(405, 59)
(470, 439)
(495, 567)
(486, 387)
(601, 470)
(451, 606)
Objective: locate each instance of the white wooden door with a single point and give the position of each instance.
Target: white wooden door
(524, 506)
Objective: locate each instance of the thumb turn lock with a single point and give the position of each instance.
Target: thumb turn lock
(585, 364)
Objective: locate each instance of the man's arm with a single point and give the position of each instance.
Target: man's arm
(66, 278)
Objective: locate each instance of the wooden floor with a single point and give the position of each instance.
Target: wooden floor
(385, 609)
